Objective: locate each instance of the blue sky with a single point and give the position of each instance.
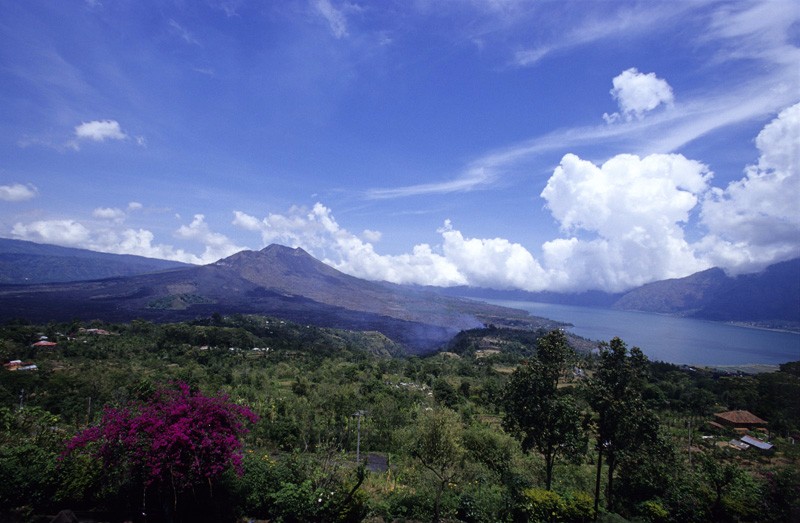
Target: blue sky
(512, 144)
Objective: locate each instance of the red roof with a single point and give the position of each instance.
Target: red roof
(45, 344)
(740, 417)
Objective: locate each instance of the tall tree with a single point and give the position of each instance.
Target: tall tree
(615, 393)
(540, 415)
(437, 444)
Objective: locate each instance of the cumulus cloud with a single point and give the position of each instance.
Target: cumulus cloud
(623, 223)
(371, 236)
(755, 221)
(625, 219)
(457, 261)
(493, 262)
(17, 192)
(638, 93)
(68, 233)
(100, 131)
(109, 236)
(109, 213)
(317, 231)
(217, 245)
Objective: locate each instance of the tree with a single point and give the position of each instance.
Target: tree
(176, 440)
(437, 444)
(615, 393)
(543, 418)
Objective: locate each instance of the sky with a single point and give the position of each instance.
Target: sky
(537, 145)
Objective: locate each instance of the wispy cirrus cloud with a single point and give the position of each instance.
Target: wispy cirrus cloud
(334, 17)
(183, 33)
(665, 132)
(624, 21)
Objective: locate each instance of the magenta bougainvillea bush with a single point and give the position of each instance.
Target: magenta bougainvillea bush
(178, 437)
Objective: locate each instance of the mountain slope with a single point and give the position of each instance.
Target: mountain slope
(277, 281)
(27, 262)
(770, 298)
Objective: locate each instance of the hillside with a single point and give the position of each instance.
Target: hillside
(27, 262)
(769, 299)
(277, 281)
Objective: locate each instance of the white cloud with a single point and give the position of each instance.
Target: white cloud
(763, 30)
(134, 206)
(335, 18)
(495, 262)
(529, 57)
(217, 245)
(371, 236)
(229, 7)
(755, 221)
(109, 213)
(318, 232)
(638, 93)
(17, 192)
(108, 236)
(100, 131)
(139, 242)
(644, 243)
(614, 22)
(183, 33)
(68, 233)
(625, 218)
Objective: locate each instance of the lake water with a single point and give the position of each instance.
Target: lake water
(673, 339)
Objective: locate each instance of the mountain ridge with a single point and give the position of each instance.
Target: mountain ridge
(276, 281)
(28, 262)
(289, 280)
(770, 298)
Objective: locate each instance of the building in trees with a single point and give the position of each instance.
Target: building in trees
(740, 420)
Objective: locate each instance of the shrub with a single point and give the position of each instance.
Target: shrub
(544, 505)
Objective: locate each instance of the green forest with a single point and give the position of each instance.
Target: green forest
(250, 418)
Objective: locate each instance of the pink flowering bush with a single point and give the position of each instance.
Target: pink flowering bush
(179, 437)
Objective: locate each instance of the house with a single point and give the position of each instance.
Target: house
(44, 344)
(740, 420)
(15, 365)
(757, 443)
(738, 445)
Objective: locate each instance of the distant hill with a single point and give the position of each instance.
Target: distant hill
(276, 281)
(582, 299)
(27, 262)
(770, 298)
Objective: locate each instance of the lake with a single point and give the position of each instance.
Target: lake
(673, 339)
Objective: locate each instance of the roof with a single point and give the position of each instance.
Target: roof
(740, 417)
(738, 444)
(763, 445)
(44, 344)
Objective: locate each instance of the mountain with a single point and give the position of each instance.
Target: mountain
(598, 299)
(276, 281)
(770, 298)
(27, 262)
